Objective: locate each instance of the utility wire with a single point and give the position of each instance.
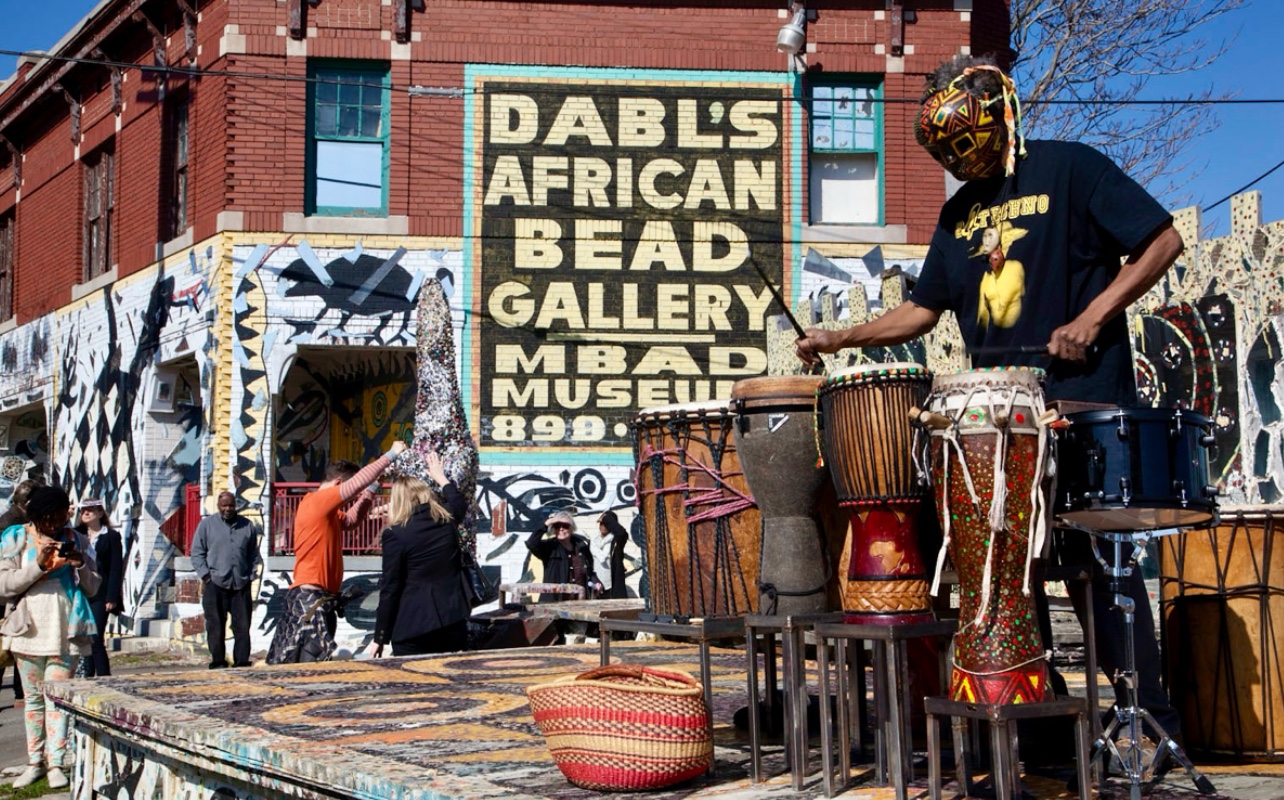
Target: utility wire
(198, 72)
(1245, 187)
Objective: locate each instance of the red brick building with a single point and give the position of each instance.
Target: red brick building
(215, 217)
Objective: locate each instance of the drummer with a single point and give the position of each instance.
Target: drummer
(1028, 253)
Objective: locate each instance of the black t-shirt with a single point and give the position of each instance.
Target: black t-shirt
(1065, 222)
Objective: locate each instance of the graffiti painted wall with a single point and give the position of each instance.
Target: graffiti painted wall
(117, 434)
(1208, 338)
(26, 386)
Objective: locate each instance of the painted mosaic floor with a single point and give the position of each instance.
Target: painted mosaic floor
(452, 726)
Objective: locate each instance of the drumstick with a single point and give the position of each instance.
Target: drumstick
(775, 293)
(1021, 349)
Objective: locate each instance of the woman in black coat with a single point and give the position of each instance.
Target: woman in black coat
(609, 525)
(109, 552)
(422, 605)
(567, 556)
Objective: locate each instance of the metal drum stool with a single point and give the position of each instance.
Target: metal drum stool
(792, 630)
(892, 740)
(1005, 769)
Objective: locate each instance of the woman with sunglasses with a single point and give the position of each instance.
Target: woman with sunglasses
(109, 554)
(46, 572)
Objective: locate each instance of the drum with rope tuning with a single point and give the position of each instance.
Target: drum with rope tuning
(989, 452)
(703, 530)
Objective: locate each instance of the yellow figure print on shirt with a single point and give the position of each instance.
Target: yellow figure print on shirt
(1003, 285)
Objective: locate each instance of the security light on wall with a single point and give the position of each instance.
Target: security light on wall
(793, 36)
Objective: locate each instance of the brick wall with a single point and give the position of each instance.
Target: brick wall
(248, 134)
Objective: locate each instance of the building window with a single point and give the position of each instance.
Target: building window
(846, 153)
(348, 140)
(100, 201)
(7, 262)
(177, 142)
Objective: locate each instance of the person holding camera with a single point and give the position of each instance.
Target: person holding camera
(46, 572)
(567, 557)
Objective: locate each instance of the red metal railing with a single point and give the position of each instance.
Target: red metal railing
(358, 541)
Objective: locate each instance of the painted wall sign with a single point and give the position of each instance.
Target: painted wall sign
(615, 231)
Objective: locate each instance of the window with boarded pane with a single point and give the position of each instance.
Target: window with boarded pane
(348, 139)
(100, 194)
(177, 140)
(846, 153)
(7, 263)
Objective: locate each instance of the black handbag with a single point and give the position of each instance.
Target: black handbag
(477, 587)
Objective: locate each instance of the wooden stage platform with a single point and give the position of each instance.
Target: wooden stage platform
(454, 726)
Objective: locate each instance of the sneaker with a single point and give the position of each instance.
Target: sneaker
(30, 775)
(57, 778)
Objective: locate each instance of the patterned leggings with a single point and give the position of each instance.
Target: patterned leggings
(46, 723)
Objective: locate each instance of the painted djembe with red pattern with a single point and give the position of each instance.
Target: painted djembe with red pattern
(868, 442)
(987, 435)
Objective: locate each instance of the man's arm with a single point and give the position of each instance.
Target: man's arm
(366, 479)
(905, 322)
(1143, 269)
(199, 548)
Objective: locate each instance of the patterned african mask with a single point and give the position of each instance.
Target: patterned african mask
(966, 134)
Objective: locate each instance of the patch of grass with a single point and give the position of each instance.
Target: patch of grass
(38, 789)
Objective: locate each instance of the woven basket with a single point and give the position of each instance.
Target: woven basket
(625, 727)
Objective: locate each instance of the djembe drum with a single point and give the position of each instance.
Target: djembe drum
(703, 531)
(868, 443)
(775, 439)
(989, 448)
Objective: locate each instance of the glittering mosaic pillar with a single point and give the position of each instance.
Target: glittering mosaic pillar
(998, 654)
(440, 423)
(868, 441)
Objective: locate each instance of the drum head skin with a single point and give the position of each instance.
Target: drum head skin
(861, 370)
(1027, 377)
(708, 408)
(786, 391)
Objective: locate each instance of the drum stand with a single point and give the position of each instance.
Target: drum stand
(1133, 759)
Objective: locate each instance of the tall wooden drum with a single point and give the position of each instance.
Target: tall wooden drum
(776, 441)
(1222, 594)
(703, 530)
(868, 444)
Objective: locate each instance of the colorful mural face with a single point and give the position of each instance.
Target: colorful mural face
(611, 277)
(341, 408)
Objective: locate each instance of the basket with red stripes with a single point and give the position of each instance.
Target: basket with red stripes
(625, 727)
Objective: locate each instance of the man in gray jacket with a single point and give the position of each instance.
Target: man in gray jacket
(225, 551)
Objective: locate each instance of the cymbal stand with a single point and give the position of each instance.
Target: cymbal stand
(1131, 717)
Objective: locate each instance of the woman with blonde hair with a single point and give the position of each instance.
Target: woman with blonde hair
(422, 606)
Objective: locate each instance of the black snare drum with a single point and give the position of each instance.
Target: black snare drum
(1133, 469)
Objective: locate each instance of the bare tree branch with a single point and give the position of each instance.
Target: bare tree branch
(1109, 50)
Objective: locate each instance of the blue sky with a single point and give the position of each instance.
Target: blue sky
(1248, 142)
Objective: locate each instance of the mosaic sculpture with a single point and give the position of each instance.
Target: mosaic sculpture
(440, 423)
